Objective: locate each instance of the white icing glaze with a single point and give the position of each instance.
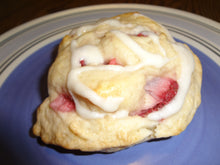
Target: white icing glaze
(155, 39)
(89, 53)
(137, 29)
(84, 111)
(109, 104)
(119, 114)
(146, 57)
(82, 30)
(94, 60)
(114, 23)
(187, 67)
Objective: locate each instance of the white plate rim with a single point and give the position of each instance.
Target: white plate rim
(209, 23)
(203, 23)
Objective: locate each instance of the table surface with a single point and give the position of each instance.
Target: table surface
(17, 12)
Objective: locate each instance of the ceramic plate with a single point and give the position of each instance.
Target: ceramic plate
(27, 52)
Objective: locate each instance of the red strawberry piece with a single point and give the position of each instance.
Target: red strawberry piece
(82, 62)
(113, 61)
(142, 35)
(145, 112)
(63, 103)
(161, 89)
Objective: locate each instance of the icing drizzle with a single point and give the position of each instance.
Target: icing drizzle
(94, 59)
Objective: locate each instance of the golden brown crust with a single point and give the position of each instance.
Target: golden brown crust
(108, 134)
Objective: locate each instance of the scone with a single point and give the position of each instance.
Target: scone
(116, 83)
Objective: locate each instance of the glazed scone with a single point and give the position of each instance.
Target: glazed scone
(118, 82)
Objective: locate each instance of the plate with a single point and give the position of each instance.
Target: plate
(27, 52)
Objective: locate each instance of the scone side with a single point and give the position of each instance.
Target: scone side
(177, 123)
(73, 132)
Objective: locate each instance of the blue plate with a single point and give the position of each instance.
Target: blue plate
(24, 86)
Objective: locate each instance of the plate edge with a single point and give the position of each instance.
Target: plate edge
(191, 16)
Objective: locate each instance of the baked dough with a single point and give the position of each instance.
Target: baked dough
(105, 82)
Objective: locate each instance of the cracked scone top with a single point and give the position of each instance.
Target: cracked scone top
(116, 83)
